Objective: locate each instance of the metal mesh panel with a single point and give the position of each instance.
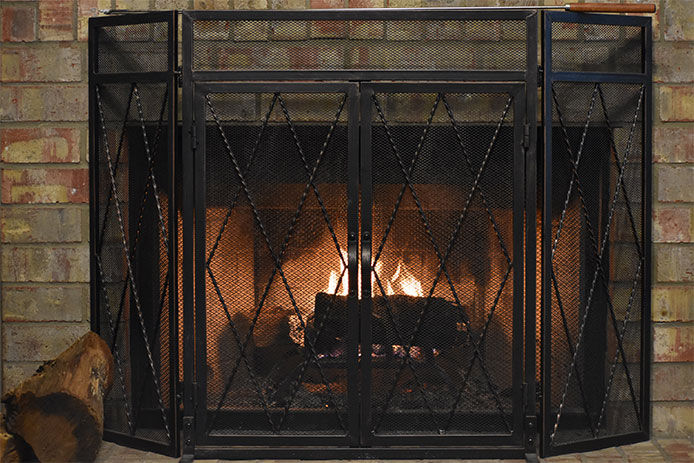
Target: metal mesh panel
(363, 45)
(132, 254)
(596, 47)
(133, 48)
(276, 242)
(597, 260)
(442, 263)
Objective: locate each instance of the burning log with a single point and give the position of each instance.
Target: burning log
(59, 411)
(439, 329)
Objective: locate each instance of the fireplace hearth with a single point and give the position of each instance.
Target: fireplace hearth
(365, 233)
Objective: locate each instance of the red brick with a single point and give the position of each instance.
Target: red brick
(18, 23)
(673, 343)
(45, 264)
(674, 183)
(673, 381)
(673, 144)
(45, 186)
(40, 145)
(676, 103)
(47, 63)
(56, 20)
(327, 3)
(673, 224)
(43, 103)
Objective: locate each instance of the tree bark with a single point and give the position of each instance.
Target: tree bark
(59, 411)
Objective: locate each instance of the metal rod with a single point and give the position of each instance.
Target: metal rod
(581, 7)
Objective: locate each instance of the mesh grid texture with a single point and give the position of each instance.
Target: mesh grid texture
(273, 240)
(597, 260)
(133, 48)
(364, 44)
(132, 255)
(597, 48)
(443, 218)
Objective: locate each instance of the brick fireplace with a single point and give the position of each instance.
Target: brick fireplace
(45, 218)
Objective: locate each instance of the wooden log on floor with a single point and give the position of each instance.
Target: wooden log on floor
(59, 411)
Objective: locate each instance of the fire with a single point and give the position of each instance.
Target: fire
(402, 279)
(408, 283)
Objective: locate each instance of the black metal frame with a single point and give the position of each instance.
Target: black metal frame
(550, 77)
(169, 78)
(530, 172)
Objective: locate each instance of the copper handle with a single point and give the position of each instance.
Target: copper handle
(613, 7)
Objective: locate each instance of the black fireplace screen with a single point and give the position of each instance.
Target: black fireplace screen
(334, 244)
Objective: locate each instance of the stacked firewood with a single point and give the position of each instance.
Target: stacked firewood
(57, 415)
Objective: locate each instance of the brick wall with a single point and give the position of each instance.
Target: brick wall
(44, 182)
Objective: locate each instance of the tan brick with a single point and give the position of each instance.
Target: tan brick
(85, 10)
(18, 23)
(673, 224)
(287, 4)
(13, 373)
(250, 4)
(673, 381)
(365, 3)
(673, 419)
(45, 186)
(45, 264)
(48, 63)
(172, 4)
(674, 183)
(56, 20)
(673, 343)
(674, 263)
(133, 4)
(673, 144)
(43, 103)
(211, 4)
(673, 303)
(678, 20)
(30, 342)
(676, 103)
(55, 303)
(41, 225)
(673, 62)
(40, 145)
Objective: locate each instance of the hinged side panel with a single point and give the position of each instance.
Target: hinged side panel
(134, 233)
(596, 231)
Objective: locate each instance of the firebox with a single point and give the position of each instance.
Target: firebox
(367, 234)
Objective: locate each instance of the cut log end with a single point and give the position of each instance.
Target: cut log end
(59, 410)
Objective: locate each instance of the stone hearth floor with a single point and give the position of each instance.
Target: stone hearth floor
(654, 451)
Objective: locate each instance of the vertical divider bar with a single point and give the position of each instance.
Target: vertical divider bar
(199, 111)
(365, 178)
(95, 315)
(173, 234)
(531, 90)
(518, 201)
(546, 300)
(353, 262)
(647, 196)
(188, 206)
